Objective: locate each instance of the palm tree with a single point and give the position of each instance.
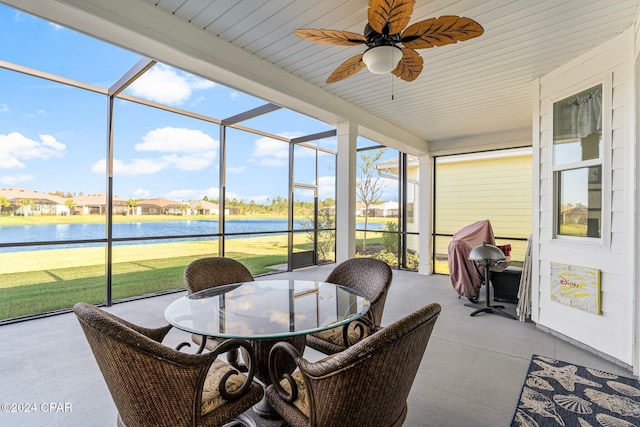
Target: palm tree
(4, 203)
(184, 207)
(25, 203)
(131, 205)
(70, 204)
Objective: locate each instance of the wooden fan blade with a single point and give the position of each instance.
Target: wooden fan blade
(335, 37)
(389, 16)
(348, 68)
(410, 66)
(440, 31)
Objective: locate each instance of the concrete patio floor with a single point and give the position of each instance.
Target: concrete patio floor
(471, 374)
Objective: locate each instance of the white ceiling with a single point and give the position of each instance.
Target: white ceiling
(477, 87)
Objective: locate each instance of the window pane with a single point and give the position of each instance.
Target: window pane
(165, 168)
(577, 145)
(304, 165)
(412, 252)
(171, 86)
(574, 151)
(257, 180)
(580, 202)
(326, 188)
(491, 185)
(377, 188)
(49, 141)
(50, 134)
(39, 279)
(577, 127)
(326, 246)
(149, 266)
(260, 254)
(42, 45)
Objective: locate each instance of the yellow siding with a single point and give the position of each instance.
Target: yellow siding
(497, 189)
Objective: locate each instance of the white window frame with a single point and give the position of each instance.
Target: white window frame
(604, 241)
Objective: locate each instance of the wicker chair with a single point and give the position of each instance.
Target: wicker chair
(370, 277)
(365, 385)
(205, 273)
(155, 385)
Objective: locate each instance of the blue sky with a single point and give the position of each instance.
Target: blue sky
(53, 137)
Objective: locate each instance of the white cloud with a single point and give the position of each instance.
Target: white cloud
(197, 101)
(141, 193)
(15, 179)
(270, 152)
(177, 140)
(326, 187)
(189, 163)
(389, 189)
(274, 153)
(199, 83)
(49, 141)
(134, 167)
(167, 85)
(233, 95)
(184, 194)
(185, 149)
(192, 194)
(211, 193)
(231, 195)
(16, 148)
(138, 166)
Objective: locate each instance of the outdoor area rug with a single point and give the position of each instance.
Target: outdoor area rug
(557, 393)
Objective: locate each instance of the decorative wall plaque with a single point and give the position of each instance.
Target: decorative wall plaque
(575, 286)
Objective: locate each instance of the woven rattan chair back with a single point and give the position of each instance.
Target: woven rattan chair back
(365, 385)
(205, 273)
(371, 277)
(150, 383)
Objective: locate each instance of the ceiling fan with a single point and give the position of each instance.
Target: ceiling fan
(390, 49)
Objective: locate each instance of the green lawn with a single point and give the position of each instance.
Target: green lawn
(33, 282)
(41, 281)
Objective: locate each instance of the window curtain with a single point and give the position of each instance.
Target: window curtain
(578, 116)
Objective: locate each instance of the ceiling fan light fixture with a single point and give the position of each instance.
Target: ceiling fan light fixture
(382, 59)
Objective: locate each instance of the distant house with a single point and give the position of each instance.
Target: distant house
(574, 215)
(96, 204)
(204, 207)
(29, 202)
(160, 206)
(384, 210)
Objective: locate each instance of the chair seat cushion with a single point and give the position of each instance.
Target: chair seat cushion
(211, 398)
(302, 402)
(335, 335)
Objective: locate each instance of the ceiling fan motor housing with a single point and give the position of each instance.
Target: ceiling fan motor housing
(376, 39)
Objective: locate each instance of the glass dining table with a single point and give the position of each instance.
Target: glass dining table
(265, 312)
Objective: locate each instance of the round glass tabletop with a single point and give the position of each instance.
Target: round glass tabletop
(266, 309)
